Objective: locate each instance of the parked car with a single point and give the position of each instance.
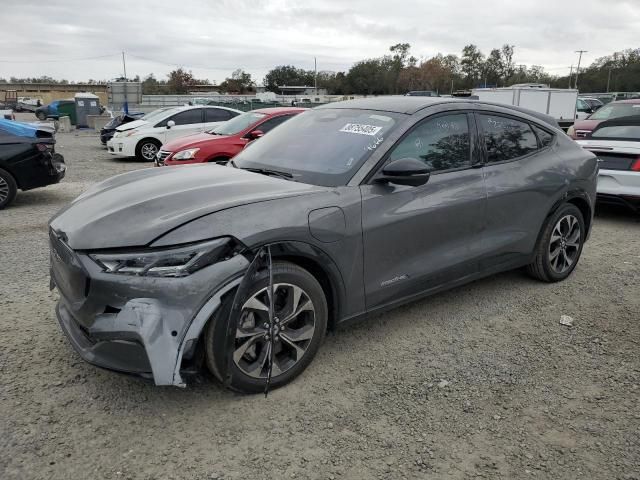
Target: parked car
(28, 104)
(617, 144)
(143, 138)
(107, 132)
(52, 110)
(622, 108)
(592, 102)
(343, 211)
(222, 143)
(27, 159)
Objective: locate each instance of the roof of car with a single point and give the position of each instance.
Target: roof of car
(631, 100)
(411, 105)
(390, 103)
(276, 110)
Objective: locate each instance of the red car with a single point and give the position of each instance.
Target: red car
(226, 140)
(621, 108)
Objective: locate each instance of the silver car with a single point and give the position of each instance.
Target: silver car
(344, 211)
(617, 145)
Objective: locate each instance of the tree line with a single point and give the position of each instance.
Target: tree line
(399, 71)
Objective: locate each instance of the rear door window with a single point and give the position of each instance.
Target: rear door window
(506, 138)
(545, 138)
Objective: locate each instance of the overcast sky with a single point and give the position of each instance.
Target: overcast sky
(212, 38)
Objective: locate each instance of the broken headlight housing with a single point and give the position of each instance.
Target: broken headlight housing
(177, 261)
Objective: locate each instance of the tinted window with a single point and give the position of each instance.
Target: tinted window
(627, 132)
(217, 115)
(272, 123)
(506, 138)
(188, 117)
(545, 137)
(442, 143)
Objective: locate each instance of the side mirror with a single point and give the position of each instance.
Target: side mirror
(404, 171)
(170, 124)
(254, 134)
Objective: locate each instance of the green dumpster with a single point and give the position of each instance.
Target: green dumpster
(68, 110)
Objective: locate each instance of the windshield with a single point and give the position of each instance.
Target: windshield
(237, 124)
(322, 146)
(157, 114)
(616, 110)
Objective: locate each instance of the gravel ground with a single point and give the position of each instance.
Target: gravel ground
(481, 381)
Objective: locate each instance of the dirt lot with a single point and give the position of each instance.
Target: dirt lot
(481, 381)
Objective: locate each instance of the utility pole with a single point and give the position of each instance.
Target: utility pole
(315, 76)
(570, 75)
(125, 107)
(609, 80)
(578, 67)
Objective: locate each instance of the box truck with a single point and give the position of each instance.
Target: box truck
(558, 102)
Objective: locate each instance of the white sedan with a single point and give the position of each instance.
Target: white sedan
(617, 145)
(143, 138)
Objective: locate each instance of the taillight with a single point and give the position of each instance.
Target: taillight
(44, 147)
(636, 165)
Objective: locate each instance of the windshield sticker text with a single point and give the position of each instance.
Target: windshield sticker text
(375, 144)
(360, 129)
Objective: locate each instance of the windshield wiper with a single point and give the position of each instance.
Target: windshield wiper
(272, 173)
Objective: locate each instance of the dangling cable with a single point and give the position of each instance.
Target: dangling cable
(271, 339)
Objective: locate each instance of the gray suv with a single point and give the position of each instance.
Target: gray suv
(341, 212)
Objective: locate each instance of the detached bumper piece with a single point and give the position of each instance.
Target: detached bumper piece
(134, 340)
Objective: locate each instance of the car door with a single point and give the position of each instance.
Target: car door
(187, 122)
(417, 238)
(215, 116)
(523, 177)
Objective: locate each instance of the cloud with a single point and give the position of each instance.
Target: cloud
(213, 38)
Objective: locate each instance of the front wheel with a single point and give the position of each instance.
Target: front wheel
(8, 188)
(300, 317)
(41, 116)
(560, 245)
(147, 149)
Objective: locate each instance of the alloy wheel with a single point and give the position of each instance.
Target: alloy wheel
(4, 190)
(564, 244)
(149, 151)
(294, 327)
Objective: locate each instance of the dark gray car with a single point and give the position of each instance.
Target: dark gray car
(360, 206)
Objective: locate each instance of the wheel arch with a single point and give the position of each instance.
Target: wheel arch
(321, 266)
(144, 139)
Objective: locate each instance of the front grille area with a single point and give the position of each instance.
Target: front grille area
(162, 156)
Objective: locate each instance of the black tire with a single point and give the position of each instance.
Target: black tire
(542, 267)
(8, 188)
(215, 334)
(146, 145)
(41, 116)
(219, 160)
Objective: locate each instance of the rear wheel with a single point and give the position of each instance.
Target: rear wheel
(8, 188)
(560, 245)
(147, 149)
(300, 311)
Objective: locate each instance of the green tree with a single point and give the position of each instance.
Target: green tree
(471, 65)
(287, 75)
(239, 82)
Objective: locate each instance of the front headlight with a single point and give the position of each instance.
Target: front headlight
(169, 262)
(189, 154)
(128, 133)
(571, 131)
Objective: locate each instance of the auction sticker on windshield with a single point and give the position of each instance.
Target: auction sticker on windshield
(360, 129)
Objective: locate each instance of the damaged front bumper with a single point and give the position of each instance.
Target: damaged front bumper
(133, 324)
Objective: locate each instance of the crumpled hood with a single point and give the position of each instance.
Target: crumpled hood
(192, 141)
(131, 125)
(135, 208)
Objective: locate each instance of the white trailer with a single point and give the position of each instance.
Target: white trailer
(557, 102)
